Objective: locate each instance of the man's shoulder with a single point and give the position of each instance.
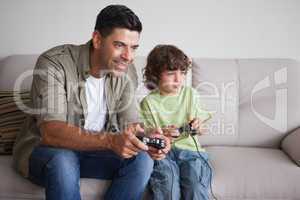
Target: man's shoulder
(62, 56)
(65, 49)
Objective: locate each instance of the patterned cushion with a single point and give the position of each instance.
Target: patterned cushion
(11, 118)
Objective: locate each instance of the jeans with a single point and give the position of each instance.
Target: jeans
(60, 170)
(183, 174)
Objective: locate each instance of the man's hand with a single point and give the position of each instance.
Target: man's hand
(127, 144)
(159, 154)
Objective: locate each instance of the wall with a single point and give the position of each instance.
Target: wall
(203, 28)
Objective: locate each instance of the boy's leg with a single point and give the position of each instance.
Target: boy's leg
(129, 176)
(164, 181)
(195, 174)
(57, 170)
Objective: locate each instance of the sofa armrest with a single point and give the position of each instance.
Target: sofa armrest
(291, 145)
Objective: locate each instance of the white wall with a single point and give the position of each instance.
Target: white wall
(203, 28)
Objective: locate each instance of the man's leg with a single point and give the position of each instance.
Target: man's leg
(129, 176)
(57, 170)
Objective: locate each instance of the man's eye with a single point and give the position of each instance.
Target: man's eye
(118, 45)
(134, 48)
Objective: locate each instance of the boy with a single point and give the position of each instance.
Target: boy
(185, 172)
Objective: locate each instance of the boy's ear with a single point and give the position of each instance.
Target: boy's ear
(190, 61)
(96, 39)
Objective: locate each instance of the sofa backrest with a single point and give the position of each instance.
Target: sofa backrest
(14, 68)
(254, 102)
(217, 82)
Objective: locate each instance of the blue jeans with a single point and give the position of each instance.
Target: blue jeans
(183, 174)
(60, 170)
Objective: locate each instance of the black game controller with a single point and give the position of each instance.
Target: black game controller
(157, 143)
(188, 129)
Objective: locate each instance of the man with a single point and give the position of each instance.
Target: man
(83, 95)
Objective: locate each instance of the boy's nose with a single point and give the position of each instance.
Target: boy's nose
(178, 76)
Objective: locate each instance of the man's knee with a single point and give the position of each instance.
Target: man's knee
(142, 165)
(54, 167)
(64, 163)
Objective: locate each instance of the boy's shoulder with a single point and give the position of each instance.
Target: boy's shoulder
(152, 94)
(190, 90)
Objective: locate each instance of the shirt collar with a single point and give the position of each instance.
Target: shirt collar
(84, 60)
(84, 64)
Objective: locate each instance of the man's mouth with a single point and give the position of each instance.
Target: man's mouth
(121, 66)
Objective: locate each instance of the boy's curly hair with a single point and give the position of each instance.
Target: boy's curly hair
(161, 58)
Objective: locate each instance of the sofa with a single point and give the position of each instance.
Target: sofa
(253, 138)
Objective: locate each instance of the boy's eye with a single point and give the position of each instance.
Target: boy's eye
(170, 73)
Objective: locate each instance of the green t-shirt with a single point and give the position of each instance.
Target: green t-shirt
(160, 111)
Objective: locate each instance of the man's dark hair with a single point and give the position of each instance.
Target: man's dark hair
(161, 58)
(117, 16)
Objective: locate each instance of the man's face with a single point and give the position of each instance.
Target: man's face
(117, 50)
(171, 81)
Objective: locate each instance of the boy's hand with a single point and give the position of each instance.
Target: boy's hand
(197, 125)
(171, 132)
(159, 154)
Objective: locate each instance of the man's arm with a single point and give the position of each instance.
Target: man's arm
(61, 134)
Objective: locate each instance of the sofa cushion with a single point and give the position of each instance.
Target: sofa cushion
(269, 100)
(17, 187)
(253, 173)
(17, 67)
(216, 80)
(290, 145)
(11, 118)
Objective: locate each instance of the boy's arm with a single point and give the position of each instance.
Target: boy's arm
(147, 116)
(198, 116)
(153, 130)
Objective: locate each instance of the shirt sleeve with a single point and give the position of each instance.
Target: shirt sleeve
(146, 115)
(48, 91)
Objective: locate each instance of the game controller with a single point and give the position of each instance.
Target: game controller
(188, 129)
(157, 143)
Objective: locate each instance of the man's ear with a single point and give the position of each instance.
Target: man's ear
(96, 39)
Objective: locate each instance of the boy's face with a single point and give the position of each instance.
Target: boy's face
(117, 50)
(171, 82)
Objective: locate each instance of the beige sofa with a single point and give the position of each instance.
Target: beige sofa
(252, 139)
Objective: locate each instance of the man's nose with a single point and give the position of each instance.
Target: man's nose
(127, 54)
